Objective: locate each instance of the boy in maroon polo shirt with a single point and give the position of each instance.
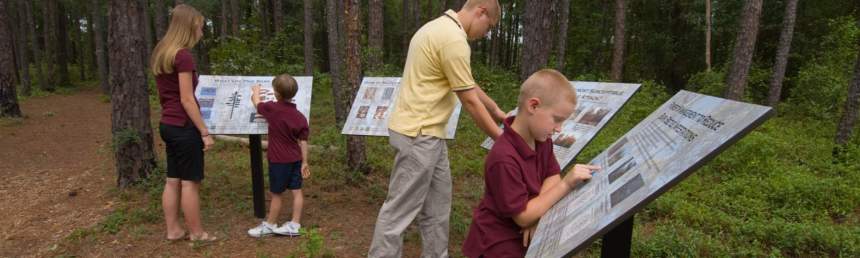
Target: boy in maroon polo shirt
(521, 174)
(287, 154)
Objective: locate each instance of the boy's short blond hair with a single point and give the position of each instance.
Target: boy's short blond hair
(285, 87)
(548, 85)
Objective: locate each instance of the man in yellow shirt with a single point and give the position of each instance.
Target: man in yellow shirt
(438, 67)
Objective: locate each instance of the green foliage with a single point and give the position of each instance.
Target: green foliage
(123, 137)
(821, 84)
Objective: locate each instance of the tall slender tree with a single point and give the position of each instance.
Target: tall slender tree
(708, 34)
(132, 133)
(61, 27)
(21, 47)
(782, 53)
(618, 41)
(37, 51)
(848, 121)
(235, 13)
(356, 157)
(375, 37)
(98, 38)
(736, 80)
(278, 15)
(537, 41)
(563, 19)
(8, 97)
(160, 18)
(49, 27)
(335, 59)
(147, 30)
(308, 7)
(225, 10)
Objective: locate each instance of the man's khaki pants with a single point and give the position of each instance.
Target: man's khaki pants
(420, 187)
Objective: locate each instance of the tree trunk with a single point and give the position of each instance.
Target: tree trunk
(278, 15)
(407, 28)
(37, 53)
(235, 12)
(81, 48)
(265, 18)
(356, 157)
(537, 41)
(564, 17)
(744, 47)
(309, 37)
(160, 19)
(375, 36)
(8, 97)
(225, 9)
(147, 31)
(63, 43)
(21, 47)
(132, 134)
(49, 26)
(335, 60)
(851, 108)
(618, 42)
(708, 34)
(101, 58)
(782, 53)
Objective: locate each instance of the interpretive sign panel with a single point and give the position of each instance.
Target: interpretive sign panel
(597, 103)
(225, 102)
(682, 135)
(373, 104)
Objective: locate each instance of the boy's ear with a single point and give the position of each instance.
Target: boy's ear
(532, 104)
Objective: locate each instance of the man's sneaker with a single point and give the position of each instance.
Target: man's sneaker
(289, 229)
(264, 229)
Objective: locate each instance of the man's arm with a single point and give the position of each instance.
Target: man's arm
(494, 110)
(472, 103)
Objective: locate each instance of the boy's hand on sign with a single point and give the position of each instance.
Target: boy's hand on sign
(255, 89)
(579, 173)
(528, 234)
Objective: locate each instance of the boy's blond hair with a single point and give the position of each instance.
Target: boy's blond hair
(285, 86)
(182, 33)
(549, 86)
(494, 10)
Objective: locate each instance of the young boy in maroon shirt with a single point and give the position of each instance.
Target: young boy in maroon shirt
(287, 154)
(521, 174)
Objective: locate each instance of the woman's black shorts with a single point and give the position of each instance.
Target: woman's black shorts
(184, 151)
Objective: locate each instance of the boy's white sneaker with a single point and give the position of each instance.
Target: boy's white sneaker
(264, 229)
(289, 229)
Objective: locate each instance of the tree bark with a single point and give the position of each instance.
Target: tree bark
(160, 19)
(278, 15)
(782, 53)
(8, 97)
(375, 36)
(101, 55)
(235, 12)
(265, 18)
(708, 34)
(147, 31)
(564, 18)
(49, 26)
(225, 9)
(335, 59)
(356, 158)
(37, 52)
(744, 47)
(537, 42)
(21, 46)
(132, 134)
(63, 43)
(407, 27)
(80, 47)
(852, 106)
(309, 37)
(618, 42)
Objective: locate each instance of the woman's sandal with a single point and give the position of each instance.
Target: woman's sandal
(205, 237)
(181, 237)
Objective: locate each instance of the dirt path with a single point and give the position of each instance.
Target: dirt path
(53, 169)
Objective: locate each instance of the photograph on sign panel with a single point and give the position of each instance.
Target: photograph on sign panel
(362, 112)
(388, 93)
(626, 190)
(369, 93)
(593, 116)
(380, 112)
(621, 170)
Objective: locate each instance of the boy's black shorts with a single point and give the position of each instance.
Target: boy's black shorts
(184, 151)
(283, 176)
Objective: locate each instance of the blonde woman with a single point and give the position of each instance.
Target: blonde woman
(182, 128)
